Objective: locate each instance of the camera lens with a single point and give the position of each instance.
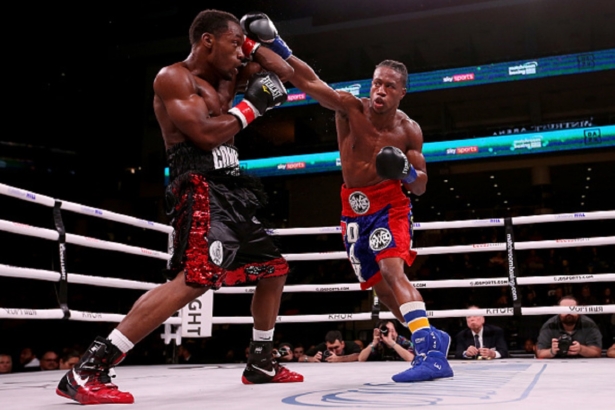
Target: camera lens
(384, 330)
(326, 353)
(564, 342)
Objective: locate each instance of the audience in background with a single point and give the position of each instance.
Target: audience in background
(593, 260)
(333, 350)
(529, 346)
(28, 360)
(387, 345)
(185, 353)
(49, 360)
(6, 363)
(284, 352)
(298, 352)
(480, 340)
(569, 335)
(69, 358)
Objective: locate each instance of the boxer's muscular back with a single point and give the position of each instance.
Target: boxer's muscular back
(360, 141)
(218, 102)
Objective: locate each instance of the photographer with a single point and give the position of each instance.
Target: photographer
(569, 335)
(333, 350)
(284, 353)
(387, 345)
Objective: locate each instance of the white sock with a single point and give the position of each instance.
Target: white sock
(262, 335)
(120, 341)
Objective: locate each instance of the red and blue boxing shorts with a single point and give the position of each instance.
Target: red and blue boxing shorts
(217, 238)
(376, 224)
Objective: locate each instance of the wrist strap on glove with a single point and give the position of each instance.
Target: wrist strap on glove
(279, 47)
(411, 177)
(249, 47)
(245, 113)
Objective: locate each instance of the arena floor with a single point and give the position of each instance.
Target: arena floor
(503, 384)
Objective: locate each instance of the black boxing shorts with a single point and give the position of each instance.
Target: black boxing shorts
(218, 240)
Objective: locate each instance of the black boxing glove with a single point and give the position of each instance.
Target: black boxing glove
(258, 26)
(264, 91)
(392, 163)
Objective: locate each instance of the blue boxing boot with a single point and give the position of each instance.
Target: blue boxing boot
(444, 340)
(431, 348)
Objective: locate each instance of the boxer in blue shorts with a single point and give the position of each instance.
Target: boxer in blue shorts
(381, 154)
(376, 222)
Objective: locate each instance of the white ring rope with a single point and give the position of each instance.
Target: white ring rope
(86, 241)
(474, 223)
(76, 315)
(53, 276)
(436, 314)
(29, 230)
(83, 209)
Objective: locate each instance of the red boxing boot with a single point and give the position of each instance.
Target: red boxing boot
(89, 382)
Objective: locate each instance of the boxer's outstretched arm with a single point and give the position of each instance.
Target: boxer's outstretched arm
(307, 81)
(267, 60)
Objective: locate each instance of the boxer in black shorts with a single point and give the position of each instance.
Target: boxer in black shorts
(217, 240)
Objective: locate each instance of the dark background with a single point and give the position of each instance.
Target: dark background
(80, 127)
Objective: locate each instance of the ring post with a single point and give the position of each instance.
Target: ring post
(512, 266)
(63, 282)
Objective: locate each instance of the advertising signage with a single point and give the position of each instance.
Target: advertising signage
(478, 75)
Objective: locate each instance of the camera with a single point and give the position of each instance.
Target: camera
(284, 351)
(326, 354)
(384, 330)
(564, 342)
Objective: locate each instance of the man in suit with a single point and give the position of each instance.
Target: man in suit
(480, 341)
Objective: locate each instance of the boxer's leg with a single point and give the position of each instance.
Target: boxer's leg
(156, 306)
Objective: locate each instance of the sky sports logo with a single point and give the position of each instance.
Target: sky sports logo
(296, 97)
(462, 150)
(458, 78)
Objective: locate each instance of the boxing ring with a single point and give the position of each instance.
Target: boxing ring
(504, 384)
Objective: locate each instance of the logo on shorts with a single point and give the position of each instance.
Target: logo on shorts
(215, 252)
(359, 202)
(380, 239)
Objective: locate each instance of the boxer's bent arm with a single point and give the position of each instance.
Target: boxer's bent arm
(307, 81)
(416, 158)
(188, 111)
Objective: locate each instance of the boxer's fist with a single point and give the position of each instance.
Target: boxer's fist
(392, 163)
(258, 26)
(264, 91)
